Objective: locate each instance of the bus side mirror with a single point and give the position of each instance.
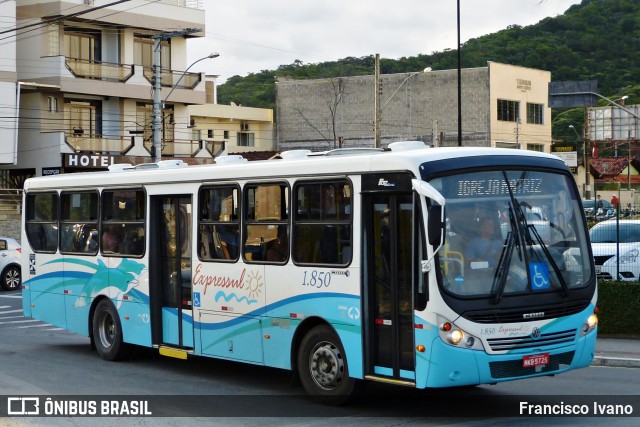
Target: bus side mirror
(436, 225)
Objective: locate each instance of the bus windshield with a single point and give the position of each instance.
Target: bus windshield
(511, 232)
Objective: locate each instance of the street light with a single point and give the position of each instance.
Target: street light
(426, 70)
(587, 189)
(158, 106)
(378, 115)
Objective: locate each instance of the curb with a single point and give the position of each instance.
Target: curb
(617, 362)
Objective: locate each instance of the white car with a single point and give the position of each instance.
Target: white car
(611, 257)
(10, 251)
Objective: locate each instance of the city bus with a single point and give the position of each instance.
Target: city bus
(344, 266)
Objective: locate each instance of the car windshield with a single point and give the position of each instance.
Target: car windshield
(605, 232)
(511, 232)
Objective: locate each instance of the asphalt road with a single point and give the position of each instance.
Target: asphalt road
(39, 360)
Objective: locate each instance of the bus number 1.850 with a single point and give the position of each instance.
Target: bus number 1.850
(316, 279)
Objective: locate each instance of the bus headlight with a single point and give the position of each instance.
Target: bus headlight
(454, 336)
(590, 324)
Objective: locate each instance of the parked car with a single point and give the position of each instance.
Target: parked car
(10, 252)
(590, 210)
(605, 248)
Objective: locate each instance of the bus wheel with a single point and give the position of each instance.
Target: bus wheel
(322, 366)
(107, 332)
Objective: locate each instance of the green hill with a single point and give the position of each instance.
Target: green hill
(595, 40)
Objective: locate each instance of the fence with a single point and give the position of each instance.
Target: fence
(615, 241)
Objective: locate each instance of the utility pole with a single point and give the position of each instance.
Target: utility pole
(157, 87)
(629, 160)
(376, 102)
(459, 83)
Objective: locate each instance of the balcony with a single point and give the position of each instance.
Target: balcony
(80, 143)
(97, 143)
(168, 78)
(98, 70)
(188, 148)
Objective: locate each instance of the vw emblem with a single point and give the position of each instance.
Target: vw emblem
(535, 334)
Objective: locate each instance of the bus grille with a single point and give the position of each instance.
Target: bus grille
(513, 316)
(513, 368)
(521, 343)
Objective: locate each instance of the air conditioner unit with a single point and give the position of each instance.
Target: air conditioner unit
(244, 126)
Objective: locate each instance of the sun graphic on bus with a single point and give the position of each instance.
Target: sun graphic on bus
(254, 284)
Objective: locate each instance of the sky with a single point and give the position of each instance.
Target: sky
(255, 35)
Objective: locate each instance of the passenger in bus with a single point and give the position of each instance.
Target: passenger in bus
(279, 248)
(484, 250)
(110, 240)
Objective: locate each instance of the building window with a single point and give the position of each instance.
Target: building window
(80, 43)
(534, 113)
(508, 111)
(54, 39)
(536, 147)
(210, 133)
(246, 139)
(225, 134)
(53, 104)
(143, 52)
(82, 118)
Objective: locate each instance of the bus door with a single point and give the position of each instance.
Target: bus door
(388, 285)
(170, 271)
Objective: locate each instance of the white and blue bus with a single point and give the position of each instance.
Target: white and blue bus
(422, 267)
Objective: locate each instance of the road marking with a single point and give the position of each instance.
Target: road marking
(11, 311)
(19, 321)
(11, 296)
(5, 306)
(44, 325)
(11, 317)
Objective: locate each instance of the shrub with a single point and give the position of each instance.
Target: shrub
(619, 304)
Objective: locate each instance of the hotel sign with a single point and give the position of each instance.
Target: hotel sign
(88, 161)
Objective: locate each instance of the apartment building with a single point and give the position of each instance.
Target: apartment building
(502, 106)
(84, 73)
(8, 79)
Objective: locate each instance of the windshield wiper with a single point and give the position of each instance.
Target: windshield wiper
(502, 269)
(520, 236)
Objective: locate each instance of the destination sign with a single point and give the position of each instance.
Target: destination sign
(497, 187)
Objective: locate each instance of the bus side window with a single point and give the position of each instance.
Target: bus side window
(218, 239)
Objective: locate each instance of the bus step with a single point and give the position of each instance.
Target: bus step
(390, 380)
(177, 353)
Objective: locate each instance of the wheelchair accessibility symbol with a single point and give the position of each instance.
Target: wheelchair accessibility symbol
(539, 273)
(196, 299)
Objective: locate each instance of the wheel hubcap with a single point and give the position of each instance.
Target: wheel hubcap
(12, 279)
(327, 365)
(107, 330)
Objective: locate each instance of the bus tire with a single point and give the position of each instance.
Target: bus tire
(322, 366)
(107, 332)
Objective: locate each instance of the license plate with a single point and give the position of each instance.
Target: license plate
(535, 360)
